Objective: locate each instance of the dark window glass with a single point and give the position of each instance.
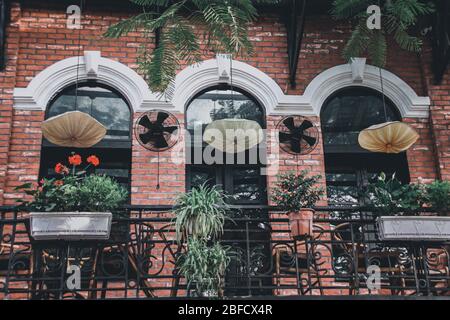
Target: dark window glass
(247, 184)
(243, 182)
(349, 167)
(349, 111)
(109, 108)
(101, 103)
(342, 188)
(222, 104)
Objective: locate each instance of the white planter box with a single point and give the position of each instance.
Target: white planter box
(426, 228)
(70, 225)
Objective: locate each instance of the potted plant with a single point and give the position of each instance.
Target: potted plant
(401, 209)
(200, 213)
(203, 265)
(75, 205)
(297, 194)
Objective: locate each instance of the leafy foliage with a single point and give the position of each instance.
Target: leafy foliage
(74, 190)
(293, 192)
(391, 197)
(222, 25)
(200, 217)
(397, 19)
(204, 265)
(200, 213)
(438, 196)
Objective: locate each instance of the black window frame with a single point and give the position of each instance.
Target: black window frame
(352, 91)
(221, 173)
(352, 159)
(109, 146)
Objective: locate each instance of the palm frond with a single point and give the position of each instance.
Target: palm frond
(344, 9)
(226, 23)
(128, 25)
(398, 16)
(377, 48)
(406, 41)
(160, 3)
(358, 41)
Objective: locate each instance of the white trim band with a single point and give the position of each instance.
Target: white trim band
(59, 75)
(198, 77)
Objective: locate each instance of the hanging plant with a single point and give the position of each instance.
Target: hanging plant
(200, 213)
(398, 17)
(204, 267)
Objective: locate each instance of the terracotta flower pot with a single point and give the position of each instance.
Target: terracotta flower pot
(301, 223)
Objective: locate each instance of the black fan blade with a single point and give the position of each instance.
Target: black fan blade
(310, 140)
(289, 123)
(145, 122)
(146, 137)
(295, 146)
(284, 137)
(162, 116)
(160, 142)
(305, 125)
(170, 129)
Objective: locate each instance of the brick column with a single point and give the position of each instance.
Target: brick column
(439, 115)
(7, 84)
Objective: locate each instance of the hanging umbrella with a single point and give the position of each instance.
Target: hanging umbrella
(388, 137)
(73, 129)
(233, 135)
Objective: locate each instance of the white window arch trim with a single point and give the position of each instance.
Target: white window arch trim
(198, 77)
(91, 66)
(340, 77)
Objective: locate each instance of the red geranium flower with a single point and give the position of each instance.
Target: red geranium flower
(60, 168)
(93, 160)
(58, 183)
(75, 160)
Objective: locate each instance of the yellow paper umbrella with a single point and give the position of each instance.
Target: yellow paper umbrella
(233, 135)
(388, 137)
(73, 129)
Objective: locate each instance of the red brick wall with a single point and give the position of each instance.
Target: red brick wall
(7, 84)
(37, 38)
(439, 116)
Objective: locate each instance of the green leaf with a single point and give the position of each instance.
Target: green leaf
(398, 16)
(225, 22)
(27, 185)
(132, 24)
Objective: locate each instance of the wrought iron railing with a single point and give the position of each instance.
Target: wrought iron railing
(139, 260)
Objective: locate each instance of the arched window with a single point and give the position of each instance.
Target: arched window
(244, 181)
(108, 107)
(348, 166)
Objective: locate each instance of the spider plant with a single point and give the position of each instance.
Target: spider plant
(204, 266)
(200, 213)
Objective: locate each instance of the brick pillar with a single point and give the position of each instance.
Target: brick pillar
(439, 115)
(7, 84)
(145, 168)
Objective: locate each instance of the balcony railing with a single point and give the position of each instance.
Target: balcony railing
(139, 260)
